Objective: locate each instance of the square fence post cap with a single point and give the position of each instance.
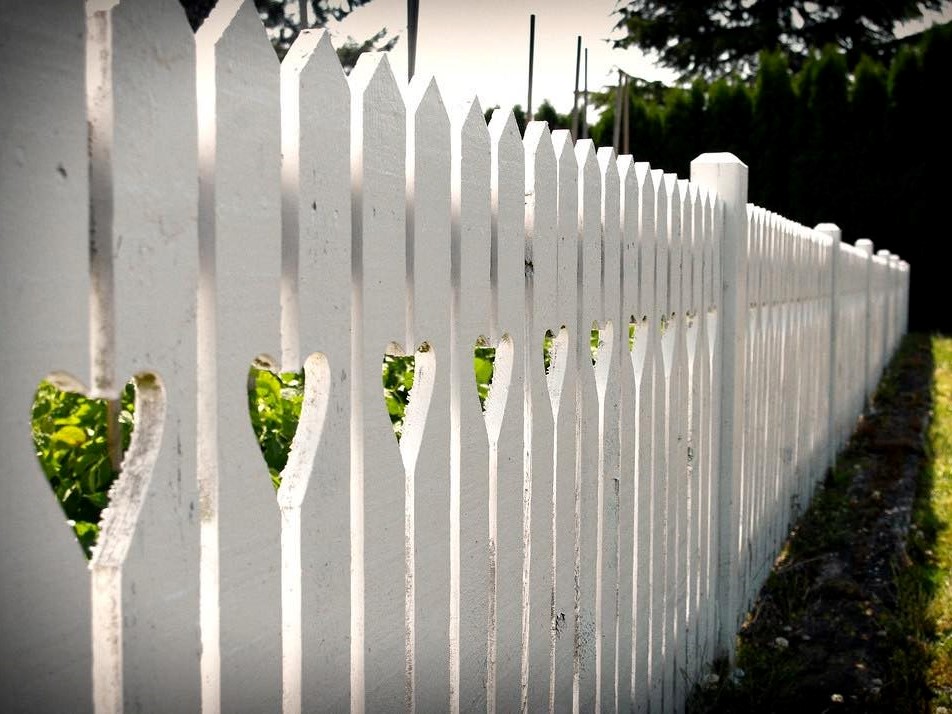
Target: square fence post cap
(718, 157)
(830, 229)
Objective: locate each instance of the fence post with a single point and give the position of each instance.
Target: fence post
(866, 246)
(832, 430)
(726, 176)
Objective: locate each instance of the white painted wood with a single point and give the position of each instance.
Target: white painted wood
(715, 221)
(429, 485)
(656, 661)
(543, 393)
(564, 489)
(504, 669)
(238, 318)
(774, 367)
(645, 349)
(672, 345)
(607, 377)
(473, 267)
(693, 317)
(145, 250)
(627, 541)
(706, 455)
(587, 413)
(45, 649)
(727, 177)
(316, 316)
(591, 546)
(379, 637)
(835, 235)
(866, 245)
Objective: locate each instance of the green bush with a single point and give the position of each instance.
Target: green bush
(72, 443)
(70, 435)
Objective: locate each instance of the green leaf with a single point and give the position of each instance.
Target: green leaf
(70, 435)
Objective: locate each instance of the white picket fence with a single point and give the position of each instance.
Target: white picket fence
(591, 541)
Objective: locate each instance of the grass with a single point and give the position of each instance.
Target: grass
(863, 628)
(932, 537)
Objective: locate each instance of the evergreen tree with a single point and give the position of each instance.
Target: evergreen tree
(772, 139)
(730, 114)
(866, 211)
(685, 126)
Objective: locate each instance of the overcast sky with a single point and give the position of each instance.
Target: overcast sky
(482, 47)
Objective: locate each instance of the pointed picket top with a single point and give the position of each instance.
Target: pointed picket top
(696, 299)
(630, 217)
(673, 238)
(232, 16)
(538, 146)
(587, 161)
(373, 71)
(316, 54)
(611, 245)
(502, 124)
(562, 144)
(469, 116)
(507, 180)
(423, 92)
(585, 155)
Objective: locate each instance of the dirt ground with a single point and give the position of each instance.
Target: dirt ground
(834, 629)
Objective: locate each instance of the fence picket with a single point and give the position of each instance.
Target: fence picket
(144, 135)
(316, 315)
(239, 219)
(608, 373)
(45, 650)
(472, 273)
(587, 414)
(564, 492)
(381, 668)
(428, 490)
(644, 353)
(506, 481)
(659, 450)
(627, 541)
(542, 395)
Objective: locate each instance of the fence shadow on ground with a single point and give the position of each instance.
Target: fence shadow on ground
(845, 621)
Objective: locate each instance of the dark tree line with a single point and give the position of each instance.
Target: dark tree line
(708, 38)
(867, 147)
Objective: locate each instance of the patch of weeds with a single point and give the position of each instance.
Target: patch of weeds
(855, 617)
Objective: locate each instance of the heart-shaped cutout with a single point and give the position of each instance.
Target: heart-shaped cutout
(80, 442)
(555, 350)
(287, 412)
(407, 388)
(602, 341)
(274, 405)
(492, 367)
(637, 343)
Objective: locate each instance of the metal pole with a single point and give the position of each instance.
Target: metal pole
(578, 61)
(413, 13)
(616, 135)
(625, 114)
(303, 8)
(585, 101)
(531, 55)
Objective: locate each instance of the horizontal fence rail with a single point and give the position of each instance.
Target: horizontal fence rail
(674, 371)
